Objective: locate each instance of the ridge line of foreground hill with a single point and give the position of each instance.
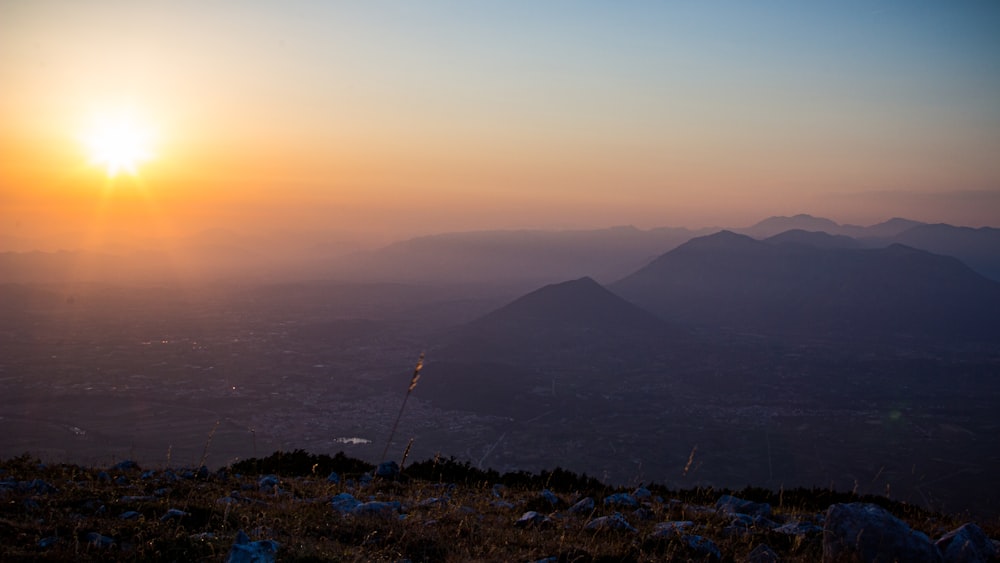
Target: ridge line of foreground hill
(297, 506)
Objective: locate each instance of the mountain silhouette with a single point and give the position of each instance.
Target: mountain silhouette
(517, 351)
(779, 224)
(523, 259)
(733, 281)
(815, 239)
(578, 317)
(978, 248)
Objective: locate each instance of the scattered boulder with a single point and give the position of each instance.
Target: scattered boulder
(866, 532)
(583, 506)
(376, 508)
(642, 493)
(967, 544)
(797, 528)
(246, 551)
(730, 505)
(130, 515)
(387, 470)
(532, 519)
(615, 522)
(670, 529)
(173, 514)
(132, 498)
(333, 478)
(267, 483)
(621, 499)
(550, 497)
(344, 503)
(97, 540)
(127, 465)
(702, 548)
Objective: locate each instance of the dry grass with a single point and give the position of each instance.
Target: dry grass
(469, 522)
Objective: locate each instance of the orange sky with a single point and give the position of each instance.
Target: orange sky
(391, 119)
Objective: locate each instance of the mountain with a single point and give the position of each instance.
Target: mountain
(779, 224)
(978, 248)
(775, 225)
(813, 238)
(527, 258)
(578, 317)
(508, 361)
(887, 229)
(733, 281)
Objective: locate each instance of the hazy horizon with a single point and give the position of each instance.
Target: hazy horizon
(386, 120)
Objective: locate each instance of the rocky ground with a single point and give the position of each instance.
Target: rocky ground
(299, 507)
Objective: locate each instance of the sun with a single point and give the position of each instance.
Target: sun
(119, 143)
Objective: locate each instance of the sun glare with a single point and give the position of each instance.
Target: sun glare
(119, 143)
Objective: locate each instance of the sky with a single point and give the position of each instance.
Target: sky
(388, 119)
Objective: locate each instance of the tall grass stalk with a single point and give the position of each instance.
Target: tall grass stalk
(413, 385)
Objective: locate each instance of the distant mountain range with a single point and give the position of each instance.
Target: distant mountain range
(520, 260)
(775, 225)
(529, 257)
(818, 286)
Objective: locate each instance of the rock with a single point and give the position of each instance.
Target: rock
(670, 529)
(550, 497)
(387, 470)
(731, 505)
(48, 542)
(103, 477)
(702, 548)
(173, 514)
(531, 518)
(621, 499)
(41, 487)
(584, 506)
(502, 504)
(130, 515)
(643, 513)
(967, 544)
(333, 478)
(866, 532)
(498, 490)
(610, 523)
(376, 508)
(246, 551)
(642, 493)
(797, 528)
(344, 503)
(268, 482)
(127, 465)
(696, 511)
(762, 554)
(99, 541)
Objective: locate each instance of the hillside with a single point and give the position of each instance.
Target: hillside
(300, 507)
(731, 280)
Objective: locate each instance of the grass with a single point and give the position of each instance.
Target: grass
(49, 513)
